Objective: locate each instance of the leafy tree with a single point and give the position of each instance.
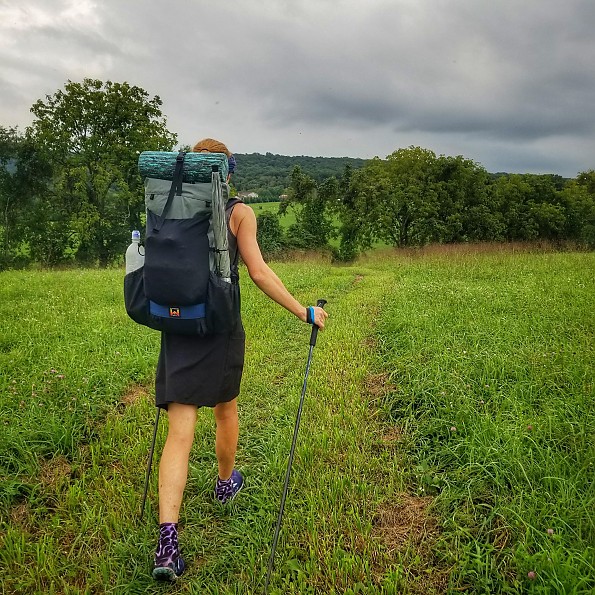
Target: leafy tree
(341, 198)
(9, 146)
(92, 132)
(466, 211)
(397, 198)
(313, 226)
(531, 206)
(269, 234)
(512, 193)
(550, 219)
(587, 180)
(24, 176)
(579, 199)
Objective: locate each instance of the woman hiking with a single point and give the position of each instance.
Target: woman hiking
(205, 371)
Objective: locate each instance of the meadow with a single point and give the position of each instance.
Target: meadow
(286, 220)
(273, 207)
(447, 442)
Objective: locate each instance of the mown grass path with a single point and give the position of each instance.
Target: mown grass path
(77, 399)
(375, 502)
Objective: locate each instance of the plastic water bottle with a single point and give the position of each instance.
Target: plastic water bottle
(135, 253)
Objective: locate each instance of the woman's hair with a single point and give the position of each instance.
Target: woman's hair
(210, 145)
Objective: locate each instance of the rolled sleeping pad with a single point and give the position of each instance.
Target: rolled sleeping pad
(197, 166)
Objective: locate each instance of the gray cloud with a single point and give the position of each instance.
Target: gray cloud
(489, 80)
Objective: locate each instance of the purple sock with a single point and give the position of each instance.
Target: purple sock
(167, 549)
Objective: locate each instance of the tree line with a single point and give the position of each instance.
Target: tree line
(70, 190)
(414, 197)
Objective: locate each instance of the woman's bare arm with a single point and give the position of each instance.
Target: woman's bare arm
(243, 225)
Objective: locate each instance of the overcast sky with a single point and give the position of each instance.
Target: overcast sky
(507, 83)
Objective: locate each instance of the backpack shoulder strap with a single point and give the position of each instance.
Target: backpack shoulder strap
(231, 203)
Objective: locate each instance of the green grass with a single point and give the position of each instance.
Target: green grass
(273, 207)
(384, 498)
(491, 362)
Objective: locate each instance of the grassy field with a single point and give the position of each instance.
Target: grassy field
(447, 442)
(273, 207)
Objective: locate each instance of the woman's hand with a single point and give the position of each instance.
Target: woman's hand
(319, 315)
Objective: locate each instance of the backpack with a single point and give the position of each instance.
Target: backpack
(188, 284)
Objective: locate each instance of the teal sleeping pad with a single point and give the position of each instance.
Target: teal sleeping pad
(197, 166)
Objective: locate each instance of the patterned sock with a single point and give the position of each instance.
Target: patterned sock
(167, 549)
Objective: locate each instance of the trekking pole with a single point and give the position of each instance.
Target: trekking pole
(142, 509)
(319, 304)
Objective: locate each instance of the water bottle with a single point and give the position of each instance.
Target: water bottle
(135, 253)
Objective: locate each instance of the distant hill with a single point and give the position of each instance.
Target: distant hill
(268, 175)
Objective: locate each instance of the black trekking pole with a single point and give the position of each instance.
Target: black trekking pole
(142, 509)
(319, 304)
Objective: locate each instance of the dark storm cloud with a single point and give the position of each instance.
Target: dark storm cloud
(515, 75)
(486, 79)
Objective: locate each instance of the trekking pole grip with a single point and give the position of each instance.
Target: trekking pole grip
(314, 335)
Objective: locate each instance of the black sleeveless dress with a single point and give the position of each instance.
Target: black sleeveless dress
(201, 371)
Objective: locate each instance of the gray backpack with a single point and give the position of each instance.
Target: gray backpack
(188, 284)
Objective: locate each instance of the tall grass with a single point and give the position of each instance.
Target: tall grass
(491, 359)
(73, 460)
(66, 356)
(416, 470)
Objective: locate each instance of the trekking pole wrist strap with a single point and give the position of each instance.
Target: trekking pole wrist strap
(310, 319)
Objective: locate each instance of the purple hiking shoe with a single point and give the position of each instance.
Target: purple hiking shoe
(168, 564)
(226, 491)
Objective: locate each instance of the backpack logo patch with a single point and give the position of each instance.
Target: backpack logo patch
(174, 312)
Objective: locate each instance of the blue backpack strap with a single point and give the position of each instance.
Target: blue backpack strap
(176, 188)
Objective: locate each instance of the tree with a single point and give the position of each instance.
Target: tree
(24, 176)
(587, 179)
(531, 206)
(269, 175)
(466, 211)
(269, 234)
(396, 199)
(341, 199)
(92, 132)
(579, 199)
(9, 147)
(313, 226)
(511, 193)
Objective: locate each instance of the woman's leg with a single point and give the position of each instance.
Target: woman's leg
(173, 467)
(226, 440)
